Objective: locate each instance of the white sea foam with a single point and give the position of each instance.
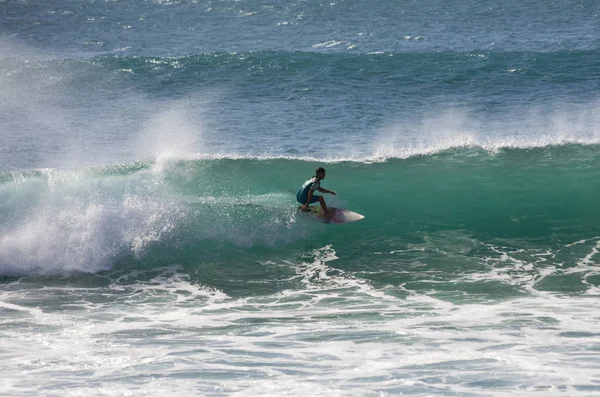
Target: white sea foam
(334, 43)
(76, 223)
(166, 333)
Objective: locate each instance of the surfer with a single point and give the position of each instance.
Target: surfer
(306, 196)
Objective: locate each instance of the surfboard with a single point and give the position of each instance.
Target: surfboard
(339, 215)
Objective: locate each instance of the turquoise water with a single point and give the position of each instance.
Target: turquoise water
(149, 237)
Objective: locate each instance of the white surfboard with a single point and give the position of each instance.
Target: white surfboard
(339, 215)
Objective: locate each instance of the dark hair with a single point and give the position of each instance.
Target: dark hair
(320, 169)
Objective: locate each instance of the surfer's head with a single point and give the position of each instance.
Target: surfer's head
(320, 172)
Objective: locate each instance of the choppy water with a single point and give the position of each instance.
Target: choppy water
(150, 244)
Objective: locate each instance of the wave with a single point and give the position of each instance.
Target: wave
(160, 212)
(369, 106)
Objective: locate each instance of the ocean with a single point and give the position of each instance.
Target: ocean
(150, 242)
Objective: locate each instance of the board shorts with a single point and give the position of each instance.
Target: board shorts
(302, 198)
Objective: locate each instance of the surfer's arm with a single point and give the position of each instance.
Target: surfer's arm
(323, 191)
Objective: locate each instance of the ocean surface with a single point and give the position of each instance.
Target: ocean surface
(150, 243)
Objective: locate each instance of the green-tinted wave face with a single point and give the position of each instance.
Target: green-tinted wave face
(451, 212)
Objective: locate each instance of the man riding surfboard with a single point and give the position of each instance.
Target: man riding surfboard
(306, 194)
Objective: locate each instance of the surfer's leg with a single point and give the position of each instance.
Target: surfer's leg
(303, 200)
(323, 205)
